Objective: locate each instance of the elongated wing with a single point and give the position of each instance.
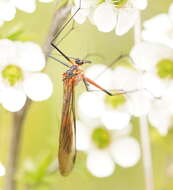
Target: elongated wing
(67, 139)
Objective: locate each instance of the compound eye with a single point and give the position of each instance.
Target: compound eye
(77, 61)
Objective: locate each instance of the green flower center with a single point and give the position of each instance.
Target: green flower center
(101, 137)
(115, 101)
(116, 3)
(165, 68)
(119, 3)
(12, 74)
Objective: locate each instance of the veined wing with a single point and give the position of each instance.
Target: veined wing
(67, 139)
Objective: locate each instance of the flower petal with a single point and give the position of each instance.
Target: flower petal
(139, 4)
(126, 19)
(100, 164)
(13, 99)
(170, 12)
(8, 52)
(81, 16)
(158, 29)
(25, 5)
(153, 84)
(86, 8)
(126, 151)
(82, 137)
(38, 87)
(160, 23)
(30, 56)
(91, 105)
(7, 11)
(161, 111)
(146, 55)
(105, 17)
(115, 120)
(46, 1)
(101, 74)
(2, 170)
(126, 79)
(160, 118)
(120, 133)
(139, 103)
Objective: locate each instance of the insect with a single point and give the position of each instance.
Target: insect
(73, 75)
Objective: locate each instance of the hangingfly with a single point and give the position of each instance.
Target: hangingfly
(67, 139)
(74, 74)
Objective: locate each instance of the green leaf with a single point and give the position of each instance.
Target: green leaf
(38, 174)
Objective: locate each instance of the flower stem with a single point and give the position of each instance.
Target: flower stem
(144, 130)
(17, 123)
(147, 158)
(59, 18)
(137, 29)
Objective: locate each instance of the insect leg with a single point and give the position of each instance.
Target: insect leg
(85, 79)
(118, 92)
(59, 61)
(68, 32)
(86, 85)
(63, 27)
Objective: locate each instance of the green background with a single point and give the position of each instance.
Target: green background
(40, 132)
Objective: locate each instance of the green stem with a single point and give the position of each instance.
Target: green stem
(144, 128)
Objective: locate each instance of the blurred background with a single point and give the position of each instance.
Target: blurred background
(40, 133)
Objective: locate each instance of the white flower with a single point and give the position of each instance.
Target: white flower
(110, 14)
(160, 28)
(105, 148)
(156, 61)
(131, 81)
(111, 111)
(8, 8)
(121, 79)
(2, 170)
(161, 112)
(20, 76)
(97, 104)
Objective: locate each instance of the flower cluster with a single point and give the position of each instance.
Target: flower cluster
(8, 8)
(148, 91)
(108, 15)
(103, 130)
(154, 57)
(20, 74)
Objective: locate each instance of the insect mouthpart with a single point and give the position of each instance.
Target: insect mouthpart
(81, 62)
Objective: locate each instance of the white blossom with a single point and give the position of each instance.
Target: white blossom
(106, 148)
(109, 14)
(122, 79)
(8, 8)
(160, 28)
(161, 112)
(20, 74)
